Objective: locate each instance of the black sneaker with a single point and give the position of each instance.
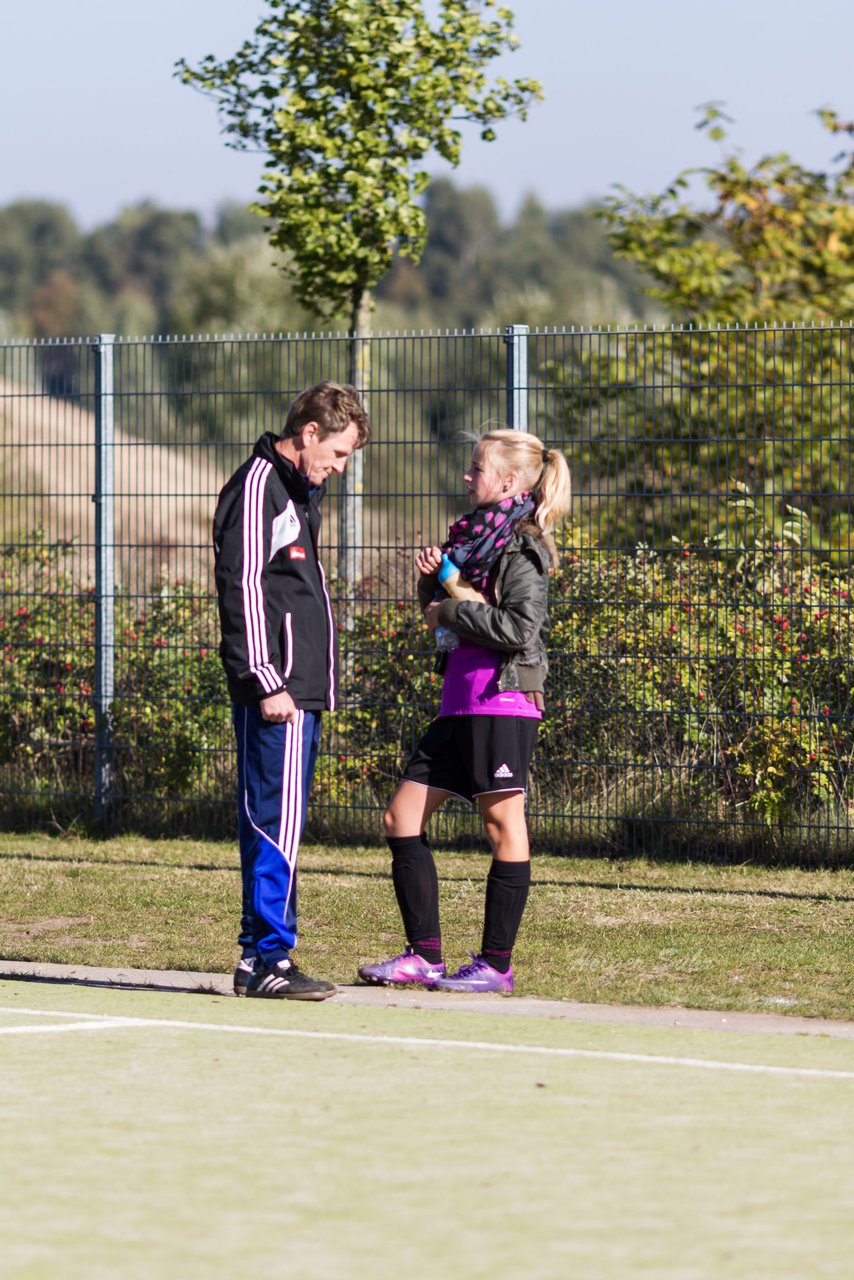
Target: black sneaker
(242, 974)
(284, 981)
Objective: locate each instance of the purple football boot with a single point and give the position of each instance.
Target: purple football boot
(404, 970)
(477, 976)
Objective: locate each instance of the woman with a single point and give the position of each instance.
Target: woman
(481, 744)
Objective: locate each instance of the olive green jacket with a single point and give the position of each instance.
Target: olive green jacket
(517, 624)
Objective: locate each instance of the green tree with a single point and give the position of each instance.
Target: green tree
(459, 263)
(542, 268)
(767, 409)
(145, 248)
(234, 288)
(776, 244)
(36, 239)
(55, 306)
(234, 223)
(454, 282)
(346, 98)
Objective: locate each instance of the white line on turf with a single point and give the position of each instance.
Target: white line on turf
(108, 1022)
(57, 1013)
(107, 1025)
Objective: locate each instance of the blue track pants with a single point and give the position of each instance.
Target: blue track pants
(275, 769)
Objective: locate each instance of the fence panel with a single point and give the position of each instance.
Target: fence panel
(700, 695)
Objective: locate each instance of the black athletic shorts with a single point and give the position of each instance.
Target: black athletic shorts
(472, 755)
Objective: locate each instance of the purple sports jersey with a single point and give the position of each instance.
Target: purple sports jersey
(471, 686)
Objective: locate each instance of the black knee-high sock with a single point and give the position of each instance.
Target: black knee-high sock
(416, 887)
(507, 888)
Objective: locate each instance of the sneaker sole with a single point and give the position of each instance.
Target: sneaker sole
(291, 995)
(469, 991)
(397, 982)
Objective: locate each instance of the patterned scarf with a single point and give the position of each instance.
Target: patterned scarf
(477, 539)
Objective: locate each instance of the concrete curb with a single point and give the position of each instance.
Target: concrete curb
(219, 984)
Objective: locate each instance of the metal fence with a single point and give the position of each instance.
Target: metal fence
(700, 692)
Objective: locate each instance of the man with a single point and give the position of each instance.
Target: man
(279, 650)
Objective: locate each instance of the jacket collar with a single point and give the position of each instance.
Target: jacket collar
(526, 538)
(294, 481)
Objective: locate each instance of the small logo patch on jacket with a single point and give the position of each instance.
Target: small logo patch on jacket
(297, 553)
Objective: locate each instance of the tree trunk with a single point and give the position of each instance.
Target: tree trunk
(351, 531)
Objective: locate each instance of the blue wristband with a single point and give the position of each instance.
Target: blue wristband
(448, 569)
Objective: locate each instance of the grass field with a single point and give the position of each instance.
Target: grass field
(150, 1135)
(749, 938)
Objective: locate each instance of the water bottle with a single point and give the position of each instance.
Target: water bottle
(446, 639)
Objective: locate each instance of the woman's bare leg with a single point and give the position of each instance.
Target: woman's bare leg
(411, 808)
(503, 814)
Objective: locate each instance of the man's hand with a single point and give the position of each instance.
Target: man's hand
(429, 560)
(279, 708)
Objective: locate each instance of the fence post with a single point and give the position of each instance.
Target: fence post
(105, 583)
(351, 524)
(350, 528)
(516, 389)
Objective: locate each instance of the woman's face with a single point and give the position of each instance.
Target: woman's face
(484, 484)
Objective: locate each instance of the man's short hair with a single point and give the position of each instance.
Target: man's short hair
(333, 406)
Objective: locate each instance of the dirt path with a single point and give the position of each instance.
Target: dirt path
(518, 1006)
(164, 495)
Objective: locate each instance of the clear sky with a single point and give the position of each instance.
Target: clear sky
(91, 116)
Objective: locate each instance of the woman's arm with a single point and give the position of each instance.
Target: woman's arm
(514, 623)
(454, 584)
(427, 562)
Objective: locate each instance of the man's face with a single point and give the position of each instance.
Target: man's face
(319, 458)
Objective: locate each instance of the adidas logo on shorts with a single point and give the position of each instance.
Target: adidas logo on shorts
(503, 772)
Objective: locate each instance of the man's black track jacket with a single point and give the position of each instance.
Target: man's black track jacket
(275, 613)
